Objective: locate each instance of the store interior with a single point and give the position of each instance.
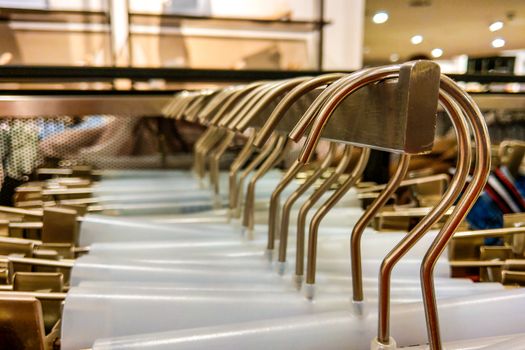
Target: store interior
(249, 174)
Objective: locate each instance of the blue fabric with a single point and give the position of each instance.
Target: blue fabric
(485, 214)
(520, 184)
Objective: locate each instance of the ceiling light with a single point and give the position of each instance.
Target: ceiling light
(498, 42)
(380, 17)
(436, 53)
(394, 57)
(416, 39)
(495, 26)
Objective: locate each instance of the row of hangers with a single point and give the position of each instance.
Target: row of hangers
(388, 108)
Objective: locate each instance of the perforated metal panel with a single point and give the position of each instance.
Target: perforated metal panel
(104, 142)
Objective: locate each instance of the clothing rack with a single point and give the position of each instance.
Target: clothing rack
(52, 101)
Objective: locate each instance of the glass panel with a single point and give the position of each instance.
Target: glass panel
(219, 53)
(55, 32)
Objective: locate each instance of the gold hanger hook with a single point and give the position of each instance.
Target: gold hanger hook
(355, 175)
(473, 190)
(214, 142)
(338, 93)
(305, 208)
(276, 155)
(287, 207)
(236, 165)
(454, 189)
(239, 112)
(300, 87)
(366, 218)
(216, 152)
(273, 94)
(288, 100)
(309, 116)
(265, 152)
(215, 103)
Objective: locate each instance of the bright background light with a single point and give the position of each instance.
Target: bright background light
(416, 39)
(380, 17)
(496, 26)
(436, 53)
(499, 42)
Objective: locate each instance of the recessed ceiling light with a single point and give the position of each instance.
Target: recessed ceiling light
(436, 53)
(495, 26)
(394, 57)
(380, 17)
(498, 42)
(416, 39)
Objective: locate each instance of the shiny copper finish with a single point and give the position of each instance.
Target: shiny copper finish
(271, 96)
(265, 152)
(237, 164)
(214, 160)
(21, 322)
(288, 100)
(273, 213)
(309, 116)
(366, 218)
(287, 208)
(310, 202)
(275, 156)
(413, 118)
(247, 104)
(355, 175)
(299, 87)
(471, 193)
(454, 189)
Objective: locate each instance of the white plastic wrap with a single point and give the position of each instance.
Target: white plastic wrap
(482, 343)
(463, 287)
(514, 343)
(461, 318)
(102, 229)
(333, 242)
(207, 271)
(91, 312)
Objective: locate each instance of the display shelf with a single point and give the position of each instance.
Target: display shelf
(90, 74)
(52, 16)
(167, 20)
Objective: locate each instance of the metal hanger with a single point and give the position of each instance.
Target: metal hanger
(255, 99)
(287, 207)
(227, 135)
(304, 86)
(285, 87)
(355, 175)
(212, 134)
(215, 136)
(277, 155)
(453, 191)
(303, 213)
(430, 73)
(235, 207)
(366, 218)
(480, 175)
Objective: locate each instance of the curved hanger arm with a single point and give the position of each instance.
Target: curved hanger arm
(366, 218)
(355, 175)
(310, 202)
(479, 178)
(454, 189)
(287, 207)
